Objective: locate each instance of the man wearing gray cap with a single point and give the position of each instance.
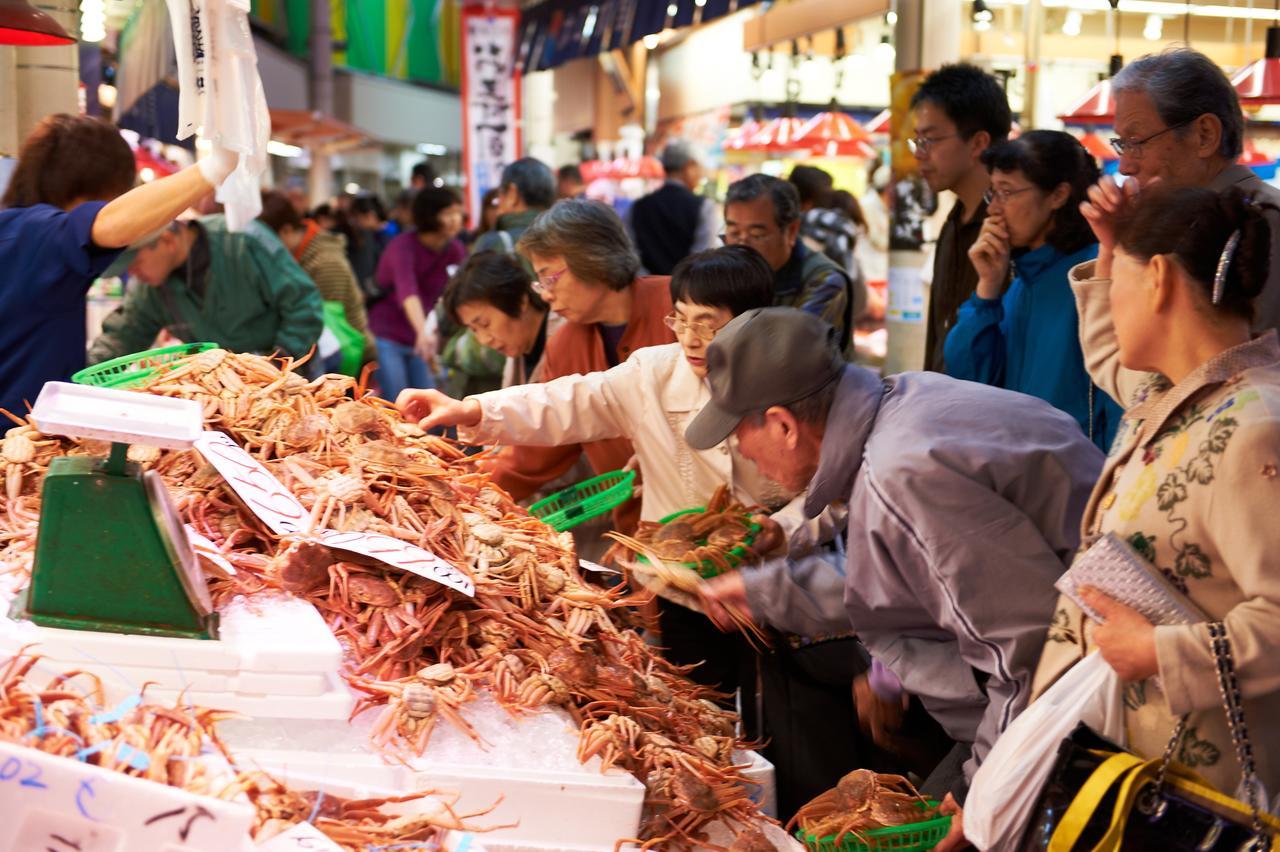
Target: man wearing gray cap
(673, 222)
(964, 503)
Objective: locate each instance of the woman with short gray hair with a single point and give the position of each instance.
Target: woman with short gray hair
(591, 240)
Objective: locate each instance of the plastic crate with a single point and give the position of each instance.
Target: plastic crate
(590, 499)
(130, 370)
(707, 569)
(901, 838)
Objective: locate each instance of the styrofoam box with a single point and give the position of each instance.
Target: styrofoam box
(275, 657)
(51, 802)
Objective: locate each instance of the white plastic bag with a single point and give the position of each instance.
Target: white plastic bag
(1008, 783)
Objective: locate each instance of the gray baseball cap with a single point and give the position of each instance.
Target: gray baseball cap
(763, 358)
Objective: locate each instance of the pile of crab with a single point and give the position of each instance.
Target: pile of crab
(535, 633)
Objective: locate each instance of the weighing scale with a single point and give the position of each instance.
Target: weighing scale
(111, 553)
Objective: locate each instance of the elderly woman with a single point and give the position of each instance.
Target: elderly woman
(1192, 481)
(1025, 338)
(586, 270)
(69, 211)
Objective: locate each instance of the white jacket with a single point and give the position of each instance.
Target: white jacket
(649, 399)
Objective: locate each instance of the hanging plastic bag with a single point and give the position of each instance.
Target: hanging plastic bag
(1005, 787)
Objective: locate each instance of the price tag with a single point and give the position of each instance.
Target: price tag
(63, 832)
(265, 496)
(399, 554)
(304, 835)
(206, 549)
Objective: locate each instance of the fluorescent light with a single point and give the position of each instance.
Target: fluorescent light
(589, 26)
(1155, 7)
(93, 20)
(1071, 26)
(1154, 28)
(281, 149)
(432, 150)
(672, 10)
(352, 188)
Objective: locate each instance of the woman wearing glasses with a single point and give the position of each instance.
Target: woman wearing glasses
(1026, 338)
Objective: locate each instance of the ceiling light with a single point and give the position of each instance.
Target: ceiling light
(982, 15)
(1154, 28)
(147, 174)
(891, 17)
(652, 41)
(432, 150)
(352, 188)
(282, 149)
(1071, 26)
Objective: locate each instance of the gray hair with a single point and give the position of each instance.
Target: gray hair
(533, 179)
(1184, 84)
(782, 194)
(675, 156)
(591, 239)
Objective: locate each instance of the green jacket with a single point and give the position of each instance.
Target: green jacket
(513, 225)
(256, 298)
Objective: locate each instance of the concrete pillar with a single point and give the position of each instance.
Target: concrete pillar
(918, 49)
(39, 81)
(320, 179)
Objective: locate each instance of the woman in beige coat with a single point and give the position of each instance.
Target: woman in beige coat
(1193, 480)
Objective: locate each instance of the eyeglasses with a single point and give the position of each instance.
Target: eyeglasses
(544, 284)
(700, 330)
(1003, 195)
(745, 238)
(922, 144)
(1133, 149)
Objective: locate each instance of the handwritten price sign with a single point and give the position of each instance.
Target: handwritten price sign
(304, 835)
(283, 514)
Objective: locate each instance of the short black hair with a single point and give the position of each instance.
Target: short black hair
(428, 204)
(368, 203)
(425, 171)
(495, 278)
(970, 97)
(1048, 158)
(570, 172)
(533, 179)
(733, 277)
(786, 201)
(813, 184)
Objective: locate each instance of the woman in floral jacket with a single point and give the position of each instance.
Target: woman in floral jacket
(1193, 480)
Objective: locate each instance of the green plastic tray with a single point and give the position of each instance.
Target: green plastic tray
(130, 370)
(902, 838)
(589, 499)
(707, 570)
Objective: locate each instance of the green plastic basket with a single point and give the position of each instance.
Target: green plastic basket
(130, 370)
(589, 499)
(901, 838)
(707, 570)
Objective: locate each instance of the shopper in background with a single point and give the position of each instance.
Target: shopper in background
(326, 217)
(413, 272)
(492, 297)
(959, 112)
(872, 249)
(1178, 123)
(963, 506)
(764, 213)
(488, 218)
(526, 189)
(241, 290)
(69, 210)
(401, 219)
(673, 222)
(323, 257)
(1029, 339)
(366, 241)
(569, 182)
(823, 227)
(1192, 482)
(586, 271)
(422, 176)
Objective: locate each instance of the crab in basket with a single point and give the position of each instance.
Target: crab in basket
(718, 537)
(863, 801)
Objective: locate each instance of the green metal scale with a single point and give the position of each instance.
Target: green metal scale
(112, 554)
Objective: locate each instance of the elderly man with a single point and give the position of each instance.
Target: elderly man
(964, 506)
(527, 188)
(764, 213)
(1178, 121)
(242, 290)
(673, 222)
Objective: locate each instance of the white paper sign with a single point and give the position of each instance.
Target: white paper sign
(265, 496)
(400, 554)
(490, 99)
(272, 503)
(206, 549)
(906, 295)
(302, 836)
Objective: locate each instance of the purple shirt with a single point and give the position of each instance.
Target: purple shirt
(408, 268)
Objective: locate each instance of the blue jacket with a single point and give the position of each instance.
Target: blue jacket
(1029, 342)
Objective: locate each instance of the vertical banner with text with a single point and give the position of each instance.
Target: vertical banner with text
(490, 100)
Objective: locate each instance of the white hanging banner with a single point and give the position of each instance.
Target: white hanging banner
(490, 99)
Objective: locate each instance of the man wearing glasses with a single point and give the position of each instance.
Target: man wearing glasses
(959, 112)
(1178, 122)
(763, 213)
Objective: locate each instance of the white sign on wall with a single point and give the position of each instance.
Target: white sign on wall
(490, 100)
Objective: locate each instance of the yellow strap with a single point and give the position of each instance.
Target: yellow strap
(1090, 798)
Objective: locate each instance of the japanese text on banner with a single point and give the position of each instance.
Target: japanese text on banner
(490, 99)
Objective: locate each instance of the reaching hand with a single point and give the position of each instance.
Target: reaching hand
(955, 838)
(427, 345)
(1126, 640)
(990, 256)
(722, 595)
(431, 409)
(218, 165)
(878, 718)
(770, 538)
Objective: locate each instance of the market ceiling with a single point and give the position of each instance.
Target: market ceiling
(556, 31)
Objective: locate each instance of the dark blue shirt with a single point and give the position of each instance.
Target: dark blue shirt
(47, 262)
